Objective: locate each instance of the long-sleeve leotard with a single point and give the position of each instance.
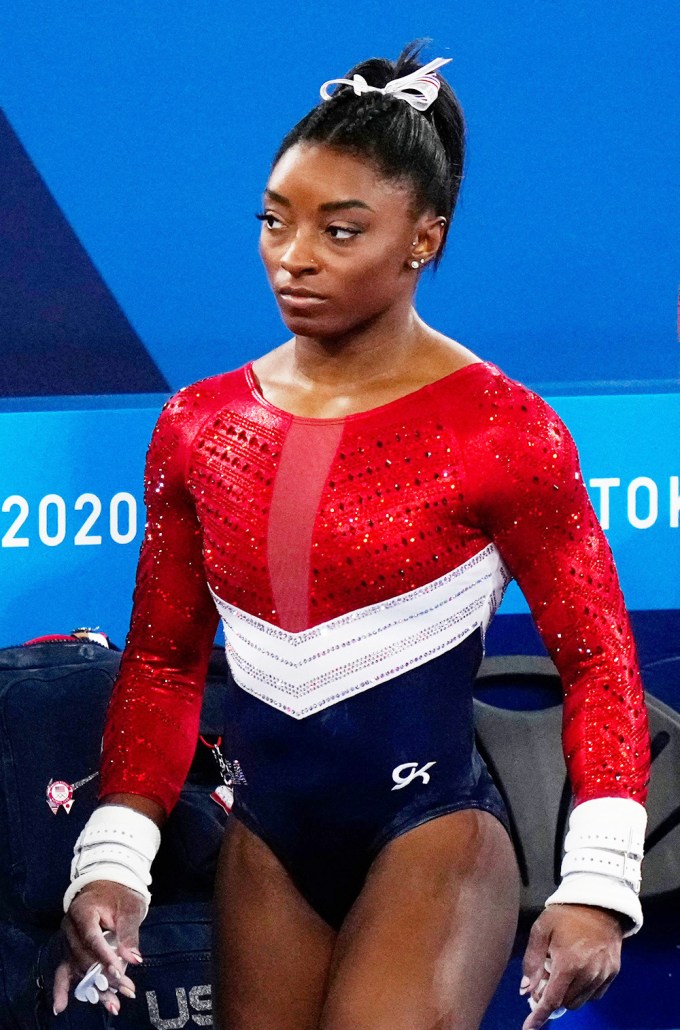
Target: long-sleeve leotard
(341, 552)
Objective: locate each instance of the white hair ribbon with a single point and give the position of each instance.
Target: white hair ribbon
(419, 89)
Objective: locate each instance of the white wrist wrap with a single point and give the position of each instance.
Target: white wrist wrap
(119, 844)
(603, 850)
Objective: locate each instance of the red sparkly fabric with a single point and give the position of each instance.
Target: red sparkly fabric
(298, 521)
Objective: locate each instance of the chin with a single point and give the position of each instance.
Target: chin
(324, 328)
(308, 325)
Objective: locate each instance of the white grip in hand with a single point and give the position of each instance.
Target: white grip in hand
(94, 981)
(533, 1005)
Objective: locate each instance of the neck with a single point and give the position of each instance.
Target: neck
(367, 354)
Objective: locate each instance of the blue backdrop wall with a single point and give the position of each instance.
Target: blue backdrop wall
(134, 144)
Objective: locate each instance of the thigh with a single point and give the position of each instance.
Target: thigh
(272, 951)
(429, 937)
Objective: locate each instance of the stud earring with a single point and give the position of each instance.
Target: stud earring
(416, 264)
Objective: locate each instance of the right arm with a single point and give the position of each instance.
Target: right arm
(152, 723)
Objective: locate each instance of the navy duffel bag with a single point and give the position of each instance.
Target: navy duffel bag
(53, 700)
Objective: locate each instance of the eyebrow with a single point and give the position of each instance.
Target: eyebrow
(340, 205)
(331, 205)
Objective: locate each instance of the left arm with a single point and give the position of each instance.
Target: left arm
(544, 526)
(533, 503)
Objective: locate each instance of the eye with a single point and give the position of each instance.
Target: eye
(342, 232)
(271, 221)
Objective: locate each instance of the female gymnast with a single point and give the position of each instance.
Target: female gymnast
(352, 505)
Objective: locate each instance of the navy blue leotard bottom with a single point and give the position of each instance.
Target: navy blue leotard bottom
(327, 792)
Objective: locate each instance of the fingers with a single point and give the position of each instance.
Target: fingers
(588, 987)
(576, 951)
(548, 1000)
(98, 909)
(564, 991)
(110, 1001)
(535, 956)
(122, 985)
(127, 931)
(126, 987)
(102, 987)
(566, 984)
(85, 936)
(62, 985)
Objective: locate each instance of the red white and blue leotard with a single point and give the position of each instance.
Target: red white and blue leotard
(356, 564)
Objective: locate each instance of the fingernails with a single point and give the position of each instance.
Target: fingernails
(127, 991)
(524, 985)
(55, 1010)
(116, 971)
(136, 954)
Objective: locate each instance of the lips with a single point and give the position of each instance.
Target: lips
(298, 293)
(297, 300)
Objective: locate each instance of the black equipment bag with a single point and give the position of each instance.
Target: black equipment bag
(53, 701)
(173, 985)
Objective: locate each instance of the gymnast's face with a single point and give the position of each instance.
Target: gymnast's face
(336, 241)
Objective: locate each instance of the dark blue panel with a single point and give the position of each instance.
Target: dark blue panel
(61, 330)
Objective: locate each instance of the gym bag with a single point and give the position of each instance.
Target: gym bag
(53, 700)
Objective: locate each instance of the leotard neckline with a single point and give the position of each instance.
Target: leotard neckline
(256, 392)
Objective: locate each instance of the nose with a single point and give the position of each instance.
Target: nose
(299, 257)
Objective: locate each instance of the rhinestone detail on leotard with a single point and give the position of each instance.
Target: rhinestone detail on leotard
(301, 673)
(415, 489)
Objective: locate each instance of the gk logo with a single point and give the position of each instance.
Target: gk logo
(402, 778)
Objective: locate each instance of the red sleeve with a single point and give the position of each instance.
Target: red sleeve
(532, 501)
(152, 724)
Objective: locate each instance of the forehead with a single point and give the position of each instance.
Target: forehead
(318, 174)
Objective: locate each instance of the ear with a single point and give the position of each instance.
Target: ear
(428, 236)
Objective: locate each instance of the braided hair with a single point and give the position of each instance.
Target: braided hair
(424, 148)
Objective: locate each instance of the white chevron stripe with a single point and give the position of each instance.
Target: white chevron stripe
(302, 673)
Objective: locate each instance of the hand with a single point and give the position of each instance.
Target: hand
(102, 905)
(583, 945)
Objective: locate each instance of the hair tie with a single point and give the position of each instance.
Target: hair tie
(419, 89)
